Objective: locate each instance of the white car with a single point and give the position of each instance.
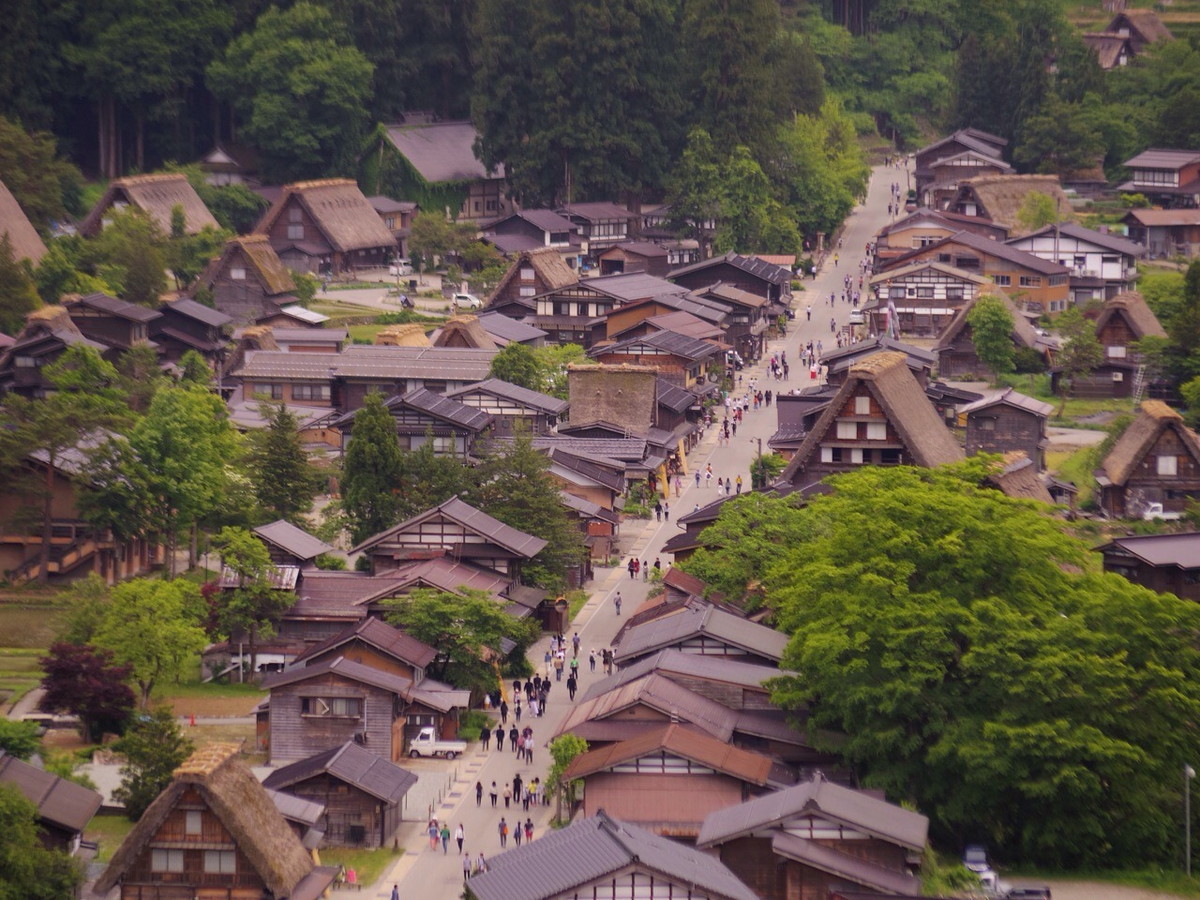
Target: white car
(400, 267)
(470, 301)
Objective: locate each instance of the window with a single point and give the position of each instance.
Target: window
(191, 824)
(1031, 281)
(389, 222)
(166, 860)
(238, 273)
(527, 290)
(943, 257)
(1118, 376)
(1002, 280)
(925, 293)
(889, 457)
(895, 293)
(847, 431)
(856, 457)
(274, 391)
(987, 424)
(310, 392)
(527, 273)
(220, 862)
(862, 406)
(26, 362)
(350, 707)
(1168, 465)
(954, 293)
(1115, 352)
(876, 431)
(831, 454)
(295, 232)
(491, 206)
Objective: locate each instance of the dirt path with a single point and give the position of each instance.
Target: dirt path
(1090, 890)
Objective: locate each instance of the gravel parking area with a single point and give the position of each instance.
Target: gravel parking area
(1090, 890)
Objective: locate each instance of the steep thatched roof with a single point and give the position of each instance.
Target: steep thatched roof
(275, 277)
(243, 806)
(1016, 476)
(26, 242)
(407, 335)
(1154, 418)
(1137, 313)
(259, 337)
(340, 210)
(903, 400)
(1001, 197)
(1107, 47)
(464, 331)
(155, 195)
(1145, 22)
(1023, 333)
(547, 264)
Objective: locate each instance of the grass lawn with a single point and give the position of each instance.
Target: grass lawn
(212, 699)
(369, 864)
(1077, 467)
(19, 674)
(337, 309)
(29, 625)
(108, 831)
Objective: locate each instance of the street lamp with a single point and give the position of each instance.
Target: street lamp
(1188, 774)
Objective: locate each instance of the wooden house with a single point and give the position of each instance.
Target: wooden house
(155, 195)
(187, 325)
(434, 163)
(1000, 198)
(248, 281)
(948, 173)
(1112, 50)
(372, 642)
(397, 217)
(288, 340)
(603, 857)
(541, 231)
(531, 273)
(817, 836)
(326, 227)
(1143, 27)
(924, 297)
(505, 331)
(321, 706)
(1167, 178)
(963, 141)
(628, 319)
(839, 361)
(704, 630)
(957, 356)
(47, 334)
(748, 320)
(1016, 475)
(879, 416)
(683, 545)
(1037, 285)
(923, 227)
(293, 316)
(1165, 232)
(462, 330)
(421, 415)
(512, 408)
(668, 779)
(1167, 563)
(23, 238)
(681, 360)
(764, 279)
(576, 313)
(598, 525)
(303, 817)
(1123, 321)
(214, 832)
(458, 530)
(1102, 265)
(680, 322)
(64, 808)
(635, 256)
(116, 324)
(362, 793)
(1156, 460)
(290, 545)
(587, 479)
(601, 224)
(76, 548)
(1008, 421)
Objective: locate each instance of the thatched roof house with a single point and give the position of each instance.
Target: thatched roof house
(26, 243)
(1138, 316)
(1016, 476)
(534, 272)
(1000, 197)
(881, 416)
(463, 331)
(411, 334)
(1156, 460)
(248, 280)
(955, 347)
(1142, 26)
(235, 818)
(155, 195)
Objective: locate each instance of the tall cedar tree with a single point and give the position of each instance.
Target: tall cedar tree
(991, 331)
(428, 478)
(85, 682)
(515, 487)
(371, 471)
(255, 606)
(284, 480)
(154, 747)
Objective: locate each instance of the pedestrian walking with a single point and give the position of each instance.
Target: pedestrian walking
(575, 643)
(479, 793)
(571, 686)
(632, 568)
(657, 565)
(518, 833)
(485, 735)
(516, 783)
(645, 571)
(666, 512)
(466, 864)
(832, 325)
(433, 831)
(395, 892)
(529, 830)
(460, 835)
(739, 484)
(592, 660)
(503, 715)
(657, 511)
(503, 829)
(678, 485)
(445, 835)
(513, 734)
(617, 602)
(492, 794)
(480, 864)
(697, 478)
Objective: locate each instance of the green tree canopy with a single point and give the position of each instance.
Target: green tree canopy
(255, 606)
(1022, 698)
(1080, 352)
(991, 330)
(371, 471)
(19, 739)
(45, 186)
(300, 89)
(29, 871)
(154, 747)
(130, 255)
(18, 293)
(283, 478)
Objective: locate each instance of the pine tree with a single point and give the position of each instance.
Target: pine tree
(372, 467)
(283, 478)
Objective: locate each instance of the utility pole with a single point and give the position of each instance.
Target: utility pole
(1188, 774)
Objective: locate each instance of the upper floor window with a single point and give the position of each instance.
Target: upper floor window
(238, 273)
(349, 707)
(1168, 465)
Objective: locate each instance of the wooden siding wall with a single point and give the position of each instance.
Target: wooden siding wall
(245, 299)
(1014, 429)
(1145, 485)
(294, 736)
(347, 806)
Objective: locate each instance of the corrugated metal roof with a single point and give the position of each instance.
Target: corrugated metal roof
(296, 541)
(352, 764)
(690, 665)
(670, 805)
(508, 329)
(380, 635)
(296, 809)
(823, 799)
(667, 341)
(1012, 398)
(634, 286)
(592, 848)
(63, 803)
(442, 407)
(198, 311)
(442, 151)
(710, 622)
(112, 305)
(362, 361)
(625, 450)
(759, 268)
(396, 684)
(1182, 550)
(1156, 158)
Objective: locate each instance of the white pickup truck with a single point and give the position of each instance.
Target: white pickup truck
(427, 744)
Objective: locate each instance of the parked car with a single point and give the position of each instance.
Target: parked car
(400, 267)
(1156, 511)
(426, 743)
(468, 300)
(857, 317)
(1028, 892)
(975, 858)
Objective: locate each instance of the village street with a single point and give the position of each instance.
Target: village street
(431, 875)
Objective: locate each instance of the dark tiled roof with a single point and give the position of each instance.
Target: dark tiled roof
(768, 272)
(591, 849)
(62, 803)
(660, 693)
(444, 408)
(535, 400)
(672, 396)
(587, 468)
(396, 684)
(351, 764)
(113, 306)
(1181, 550)
(717, 754)
(633, 286)
(441, 151)
(380, 635)
(198, 311)
(601, 209)
(990, 247)
(667, 341)
(844, 866)
(709, 621)
(626, 450)
(296, 541)
(518, 542)
(508, 330)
